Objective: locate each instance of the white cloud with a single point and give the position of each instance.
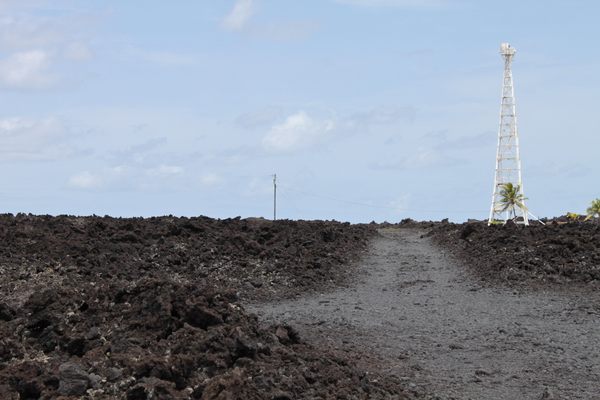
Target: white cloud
(114, 177)
(283, 30)
(302, 129)
(394, 3)
(11, 126)
(239, 16)
(210, 179)
(129, 177)
(165, 171)
(85, 180)
(297, 131)
(26, 70)
(31, 130)
(37, 45)
(34, 139)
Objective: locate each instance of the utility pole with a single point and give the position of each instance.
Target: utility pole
(274, 197)
(508, 160)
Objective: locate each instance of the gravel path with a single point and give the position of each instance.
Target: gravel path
(414, 313)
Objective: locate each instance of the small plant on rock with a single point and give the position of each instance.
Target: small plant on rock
(573, 217)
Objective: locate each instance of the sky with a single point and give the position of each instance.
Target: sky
(367, 110)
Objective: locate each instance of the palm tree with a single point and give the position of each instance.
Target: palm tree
(511, 198)
(594, 210)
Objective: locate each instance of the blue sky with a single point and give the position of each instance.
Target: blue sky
(365, 109)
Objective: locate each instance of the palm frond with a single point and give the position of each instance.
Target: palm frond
(594, 209)
(512, 198)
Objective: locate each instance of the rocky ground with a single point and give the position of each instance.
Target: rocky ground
(257, 258)
(150, 309)
(156, 308)
(555, 255)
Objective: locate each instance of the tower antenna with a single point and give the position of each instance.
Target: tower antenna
(508, 160)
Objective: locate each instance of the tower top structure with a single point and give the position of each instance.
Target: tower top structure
(506, 50)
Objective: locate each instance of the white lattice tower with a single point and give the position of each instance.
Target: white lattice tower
(508, 161)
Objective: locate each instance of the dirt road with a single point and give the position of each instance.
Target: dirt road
(415, 313)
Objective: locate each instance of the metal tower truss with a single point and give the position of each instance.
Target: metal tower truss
(508, 161)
